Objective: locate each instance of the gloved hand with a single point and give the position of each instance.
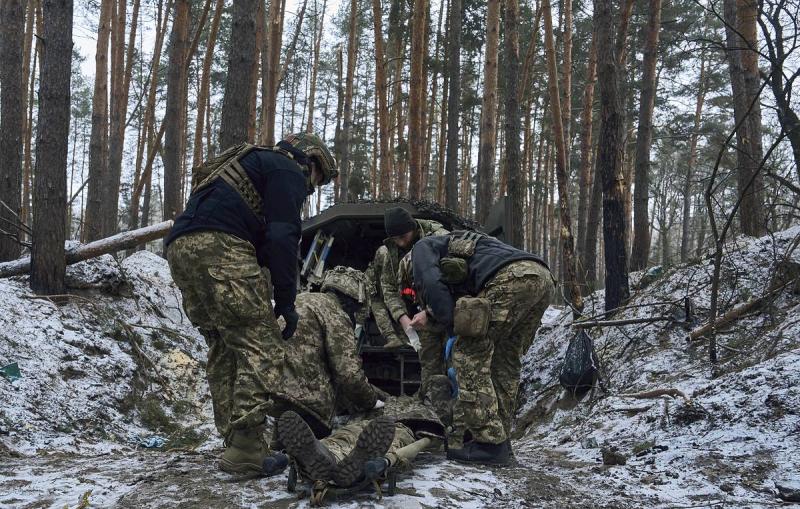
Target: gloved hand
(291, 317)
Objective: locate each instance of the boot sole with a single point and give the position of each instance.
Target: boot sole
(373, 442)
(301, 444)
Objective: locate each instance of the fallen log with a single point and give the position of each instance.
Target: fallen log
(118, 242)
(737, 312)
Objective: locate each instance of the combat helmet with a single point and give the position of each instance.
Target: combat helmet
(316, 150)
(351, 283)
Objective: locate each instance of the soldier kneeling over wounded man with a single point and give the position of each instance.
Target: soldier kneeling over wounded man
(326, 379)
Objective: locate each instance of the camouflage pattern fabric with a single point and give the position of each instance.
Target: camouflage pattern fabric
(343, 440)
(388, 328)
(488, 367)
(226, 296)
(323, 370)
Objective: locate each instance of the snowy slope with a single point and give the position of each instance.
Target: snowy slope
(121, 363)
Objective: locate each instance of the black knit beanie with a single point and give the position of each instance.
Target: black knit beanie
(398, 221)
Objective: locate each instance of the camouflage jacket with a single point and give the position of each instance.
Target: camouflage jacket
(387, 258)
(420, 417)
(324, 369)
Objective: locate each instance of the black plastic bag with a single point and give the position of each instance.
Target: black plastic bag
(581, 367)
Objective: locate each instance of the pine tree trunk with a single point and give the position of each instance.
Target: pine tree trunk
(147, 122)
(29, 80)
(585, 172)
(98, 145)
(271, 75)
(488, 136)
(242, 52)
(312, 94)
(641, 230)
(567, 241)
(740, 28)
(252, 107)
(687, 184)
(12, 121)
(175, 121)
(348, 101)
(48, 264)
(205, 85)
(453, 103)
(609, 159)
(566, 82)
(416, 145)
(292, 45)
(593, 226)
(381, 90)
(514, 169)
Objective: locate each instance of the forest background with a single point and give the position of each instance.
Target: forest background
(622, 134)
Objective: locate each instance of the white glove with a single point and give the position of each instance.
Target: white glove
(379, 404)
(413, 338)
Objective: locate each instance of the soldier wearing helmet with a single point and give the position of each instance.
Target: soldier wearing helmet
(241, 228)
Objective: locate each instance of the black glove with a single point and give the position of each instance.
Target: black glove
(291, 317)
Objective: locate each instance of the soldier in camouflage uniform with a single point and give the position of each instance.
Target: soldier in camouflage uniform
(368, 444)
(241, 224)
(490, 297)
(403, 232)
(325, 378)
(323, 373)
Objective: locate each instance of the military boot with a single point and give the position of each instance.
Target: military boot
(373, 442)
(314, 459)
(245, 452)
(481, 452)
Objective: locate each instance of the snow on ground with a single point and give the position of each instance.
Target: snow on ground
(117, 363)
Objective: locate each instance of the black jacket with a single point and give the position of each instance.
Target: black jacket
(275, 235)
(490, 256)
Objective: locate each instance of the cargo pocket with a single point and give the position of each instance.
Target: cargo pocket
(240, 292)
(471, 317)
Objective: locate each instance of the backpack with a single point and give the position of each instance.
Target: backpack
(581, 369)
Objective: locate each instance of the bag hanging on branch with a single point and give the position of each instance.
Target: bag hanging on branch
(581, 369)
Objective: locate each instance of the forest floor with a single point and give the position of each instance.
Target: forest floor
(116, 368)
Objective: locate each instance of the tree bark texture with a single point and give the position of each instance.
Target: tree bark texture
(347, 124)
(742, 63)
(312, 93)
(488, 132)
(48, 265)
(174, 118)
(567, 240)
(609, 159)
(12, 122)
(98, 144)
(687, 183)
(453, 103)
(235, 105)
(585, 171)
(271, 71)
(640, 251)
(381, 88)
(416, 143)
(516, 175)
(205, 79)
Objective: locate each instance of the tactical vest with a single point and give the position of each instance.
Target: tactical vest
(455, 267)
(226, 166)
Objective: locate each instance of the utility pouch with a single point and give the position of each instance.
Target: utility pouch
(454, 270)
(471, 316)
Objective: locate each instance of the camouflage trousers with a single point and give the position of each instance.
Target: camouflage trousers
(488, 367)
(226, 295)
(343, 440)
(434, 388)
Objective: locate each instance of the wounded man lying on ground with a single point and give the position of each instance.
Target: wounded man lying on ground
(366, 447)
